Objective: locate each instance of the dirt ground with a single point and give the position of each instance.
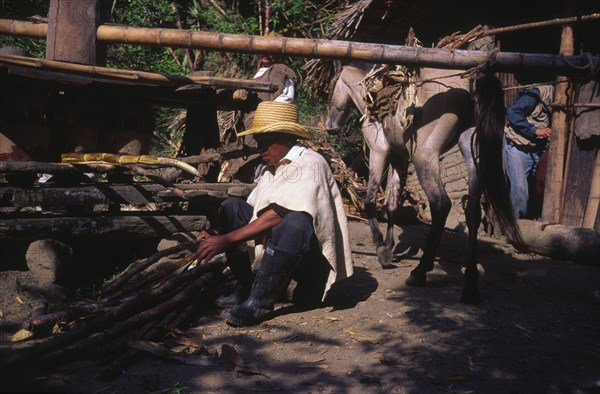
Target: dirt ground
(536, 331)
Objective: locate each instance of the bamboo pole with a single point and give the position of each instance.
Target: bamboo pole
(23, 29)
(556, 150)
(330, 49)
(527, 26)
(312, 48)
(136, 76)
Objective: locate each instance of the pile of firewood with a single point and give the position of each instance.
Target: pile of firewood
(150, 298)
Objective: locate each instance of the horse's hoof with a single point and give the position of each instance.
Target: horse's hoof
(384, 256)
(416, 280)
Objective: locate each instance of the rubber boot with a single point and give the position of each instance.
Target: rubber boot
(241, 268)
(271, 279)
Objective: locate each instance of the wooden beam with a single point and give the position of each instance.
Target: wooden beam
(107, 228)
(137, 194)
(136, 76)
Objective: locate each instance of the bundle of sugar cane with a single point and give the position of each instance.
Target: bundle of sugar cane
(147, 300)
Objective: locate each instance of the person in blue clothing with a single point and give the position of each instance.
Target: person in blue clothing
(527, 133)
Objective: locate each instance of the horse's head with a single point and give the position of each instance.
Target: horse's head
(346, 93)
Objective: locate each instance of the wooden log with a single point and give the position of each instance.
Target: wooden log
(324, 49)
(52, 168)
(107, 228)
(580, 245)
(558, 138)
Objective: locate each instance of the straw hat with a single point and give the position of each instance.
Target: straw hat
(277, 117)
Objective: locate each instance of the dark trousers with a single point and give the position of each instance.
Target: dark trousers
(294, 234)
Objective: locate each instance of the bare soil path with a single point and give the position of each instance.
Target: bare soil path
(537, 330)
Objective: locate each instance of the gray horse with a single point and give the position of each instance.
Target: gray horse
(446, 115)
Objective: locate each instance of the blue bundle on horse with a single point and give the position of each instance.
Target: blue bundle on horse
(419, 127)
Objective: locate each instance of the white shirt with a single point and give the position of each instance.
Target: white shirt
(293, 153)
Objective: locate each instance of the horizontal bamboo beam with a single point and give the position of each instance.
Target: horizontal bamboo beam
(23, 29)
(136, 76)
(312, 48)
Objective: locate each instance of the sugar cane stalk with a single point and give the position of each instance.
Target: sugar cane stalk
(140, 266)
(131, 322)
(100, 322)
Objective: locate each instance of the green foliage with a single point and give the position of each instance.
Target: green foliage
(37, 48)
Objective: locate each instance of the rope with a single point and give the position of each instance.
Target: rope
(594, 67)
(482, 67)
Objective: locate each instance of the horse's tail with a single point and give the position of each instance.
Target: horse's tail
(489, 122)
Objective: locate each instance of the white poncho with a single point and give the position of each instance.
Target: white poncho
(303, 182)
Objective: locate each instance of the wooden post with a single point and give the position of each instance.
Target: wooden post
(558, 139)
(201, 133)
(72, 26)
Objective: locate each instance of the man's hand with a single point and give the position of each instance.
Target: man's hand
(210, 245)
(213, 244)
(543, 132)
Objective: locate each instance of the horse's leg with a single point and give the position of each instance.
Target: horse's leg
(378, 161)
(395, 183)
(427, 165)
(391, 206)
(470, 292)
(377, 164)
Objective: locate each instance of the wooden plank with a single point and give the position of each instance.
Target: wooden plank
(72, 31)
(107, 228)
(582, 161)
(224, 83)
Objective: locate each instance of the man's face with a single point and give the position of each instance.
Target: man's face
(267, 60)
(273, 147)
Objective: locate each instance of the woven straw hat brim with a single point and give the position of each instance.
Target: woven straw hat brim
(280, 127)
